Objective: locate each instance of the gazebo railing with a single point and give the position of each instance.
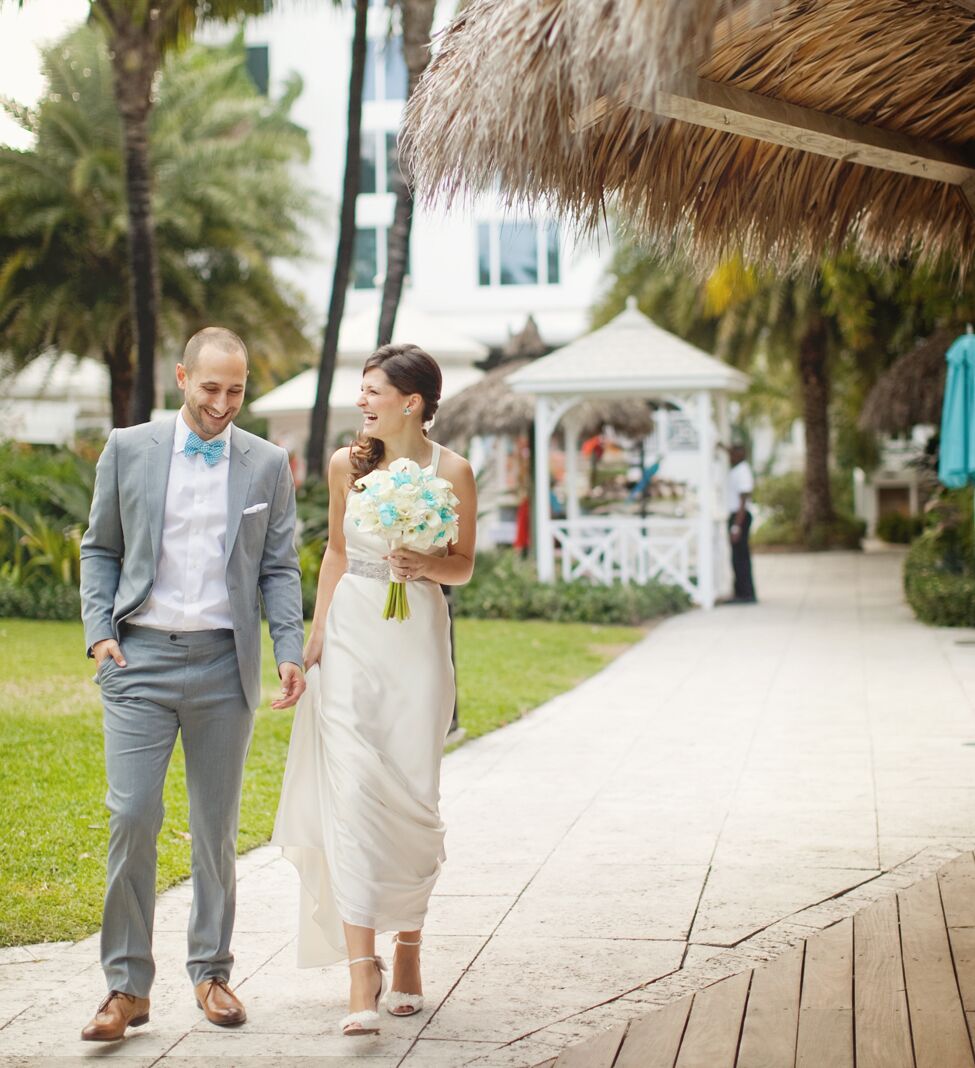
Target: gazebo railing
(606, 548)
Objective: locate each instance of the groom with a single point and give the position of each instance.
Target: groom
(191, 520)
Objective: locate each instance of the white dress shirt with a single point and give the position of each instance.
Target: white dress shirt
(190, 591)
(740, 480)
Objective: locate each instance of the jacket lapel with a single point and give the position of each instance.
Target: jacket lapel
(159, 456)
(238, 484)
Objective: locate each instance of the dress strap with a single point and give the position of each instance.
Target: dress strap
(435, 458)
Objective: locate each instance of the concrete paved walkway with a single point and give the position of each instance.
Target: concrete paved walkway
(715, 784)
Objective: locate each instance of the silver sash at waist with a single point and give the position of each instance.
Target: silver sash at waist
(376, 569)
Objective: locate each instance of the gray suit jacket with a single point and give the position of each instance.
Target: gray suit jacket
(120, 548)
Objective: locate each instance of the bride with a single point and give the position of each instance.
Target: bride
(359, 815)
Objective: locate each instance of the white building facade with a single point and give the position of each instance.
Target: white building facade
(479, 268)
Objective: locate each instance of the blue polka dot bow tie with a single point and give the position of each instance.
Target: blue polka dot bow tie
(211, 451)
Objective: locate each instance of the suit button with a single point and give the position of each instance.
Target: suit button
(174, 637)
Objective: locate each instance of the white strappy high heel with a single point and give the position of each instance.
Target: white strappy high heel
(412, 1003)
(366, 1022)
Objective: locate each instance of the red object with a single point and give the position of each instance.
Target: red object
(523, 525)
(593, 446)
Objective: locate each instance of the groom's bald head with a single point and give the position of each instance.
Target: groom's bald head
(217, 337)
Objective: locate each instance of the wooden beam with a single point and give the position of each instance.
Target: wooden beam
(731, 110)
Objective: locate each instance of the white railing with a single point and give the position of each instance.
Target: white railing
(606, 548)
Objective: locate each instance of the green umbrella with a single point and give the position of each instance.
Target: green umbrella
(956, 464)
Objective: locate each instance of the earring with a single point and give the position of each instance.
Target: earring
(407, 411)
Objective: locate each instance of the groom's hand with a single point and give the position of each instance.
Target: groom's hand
(292, 685)
(108, 647)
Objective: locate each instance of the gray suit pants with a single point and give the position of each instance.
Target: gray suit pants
(185, 683)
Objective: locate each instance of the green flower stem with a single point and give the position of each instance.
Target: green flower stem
(397, 606)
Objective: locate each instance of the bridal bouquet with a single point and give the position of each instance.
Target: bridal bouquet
(411, 508)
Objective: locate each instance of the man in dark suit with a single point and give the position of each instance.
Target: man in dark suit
(192, 523)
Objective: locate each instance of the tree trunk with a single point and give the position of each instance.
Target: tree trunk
(417, 27)
(118, 359)
(817, 499)
(135, 58)
(318, 431)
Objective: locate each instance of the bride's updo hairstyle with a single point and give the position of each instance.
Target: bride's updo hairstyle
(410, 370)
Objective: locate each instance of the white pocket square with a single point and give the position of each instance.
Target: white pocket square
(254, 509)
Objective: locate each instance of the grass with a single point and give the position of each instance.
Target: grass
(54, 825)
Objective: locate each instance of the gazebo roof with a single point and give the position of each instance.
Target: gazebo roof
(629, 355)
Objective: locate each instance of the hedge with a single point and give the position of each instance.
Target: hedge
(939, 582)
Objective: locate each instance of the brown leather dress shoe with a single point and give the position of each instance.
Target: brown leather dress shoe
(117, 1012)
(220, 1004)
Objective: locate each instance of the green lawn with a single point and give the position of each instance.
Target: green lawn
(53, 823)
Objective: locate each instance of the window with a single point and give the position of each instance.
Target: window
(365, 266)
(392, 162)
(379, 164)
(258, 66)
(371, 257)
(386, 74)
(367, 163)
(517, 254)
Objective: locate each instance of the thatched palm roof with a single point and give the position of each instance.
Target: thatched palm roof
(777, 128)
(911, 392)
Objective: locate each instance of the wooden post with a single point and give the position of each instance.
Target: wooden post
(705, 547)
(571, 428)
(544, 550)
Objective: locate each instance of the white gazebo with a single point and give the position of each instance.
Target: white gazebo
(287, 408)
(632, 357)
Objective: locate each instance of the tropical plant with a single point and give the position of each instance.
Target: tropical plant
(138, 36)
(342, 271)
(417, 20)
(226, 202)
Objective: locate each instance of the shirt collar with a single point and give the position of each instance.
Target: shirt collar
(183, 432)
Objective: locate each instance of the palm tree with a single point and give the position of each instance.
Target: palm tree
(226, 202)
(342, 272)
(417, 19)
(139, 35)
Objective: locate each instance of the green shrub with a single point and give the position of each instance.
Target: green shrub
(505, 587)
(939, 583)
(312, 505)
(899, 529)
(54, 483)
(51, 601)
(780, 499)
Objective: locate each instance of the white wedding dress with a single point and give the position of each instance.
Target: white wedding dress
(359, 812)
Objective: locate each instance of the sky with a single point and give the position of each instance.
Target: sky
(21, 32)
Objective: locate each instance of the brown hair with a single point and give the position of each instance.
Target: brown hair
(218, 336)
(410, 370)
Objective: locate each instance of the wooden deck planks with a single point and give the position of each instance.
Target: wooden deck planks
(938, 1023)
(826, 1006)
(883, 1032)
(891, 987)
(768, 1038)
(957, 884)
(714, 1025)
(653, 1040)
(596, 1052)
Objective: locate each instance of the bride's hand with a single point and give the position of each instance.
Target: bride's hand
(313, 650)
(405, 565)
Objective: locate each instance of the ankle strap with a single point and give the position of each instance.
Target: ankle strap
(402, 941)
(362, 960)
